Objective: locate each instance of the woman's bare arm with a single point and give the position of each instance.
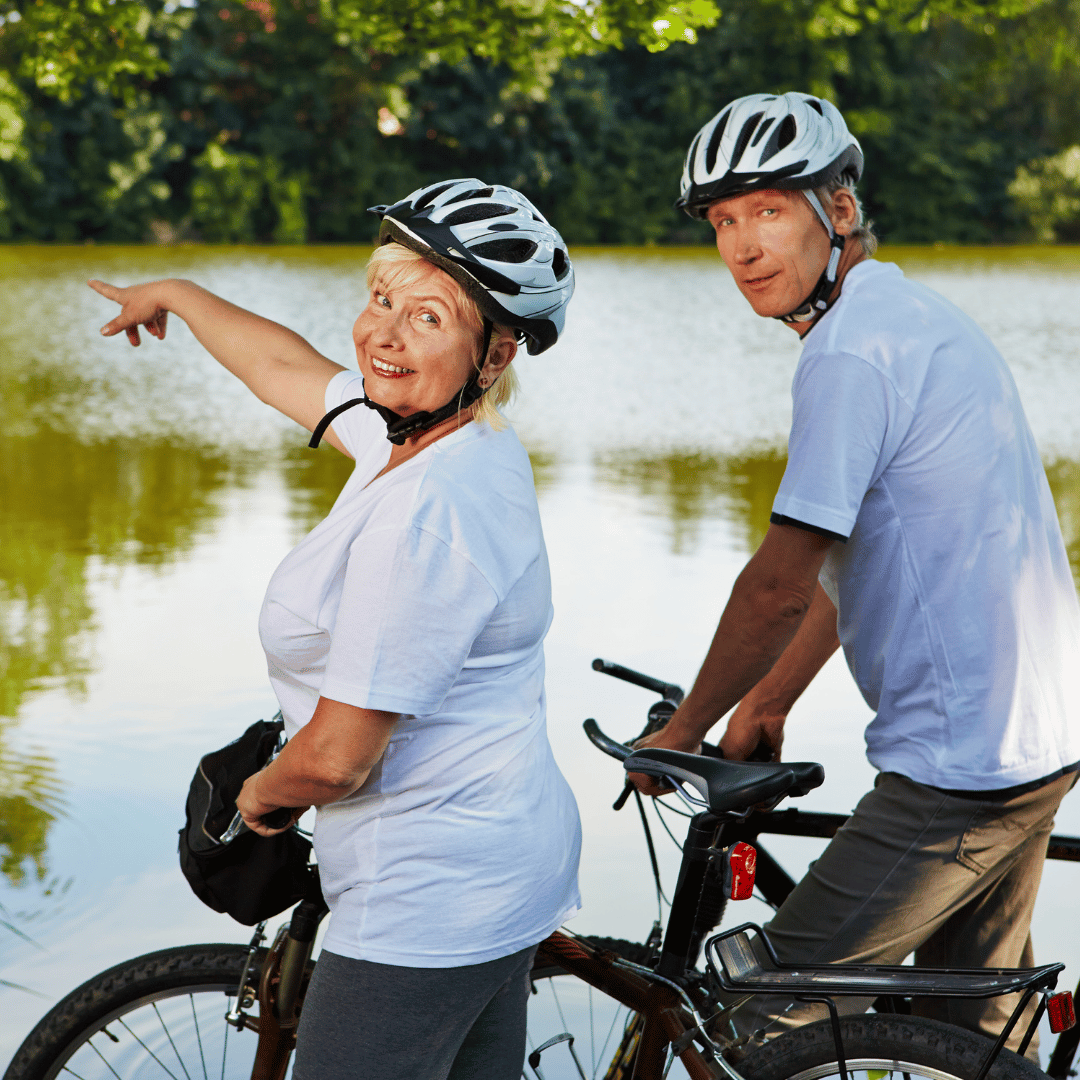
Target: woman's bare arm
(275, 363)
(329, 758)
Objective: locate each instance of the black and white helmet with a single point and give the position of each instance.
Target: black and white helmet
(493, 241)
(789, 141)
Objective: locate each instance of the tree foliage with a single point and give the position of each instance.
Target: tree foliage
(277, 122)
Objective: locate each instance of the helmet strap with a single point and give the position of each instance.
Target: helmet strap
(399, 428)
(819, 301)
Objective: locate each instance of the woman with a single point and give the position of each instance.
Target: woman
(404, 637)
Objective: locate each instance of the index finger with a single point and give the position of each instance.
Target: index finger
(111, 292)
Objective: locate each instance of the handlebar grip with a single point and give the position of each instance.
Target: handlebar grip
(279, 818)
(604, 742)
(657, 686)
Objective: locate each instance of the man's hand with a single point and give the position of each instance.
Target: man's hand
(141, 305)
(668, 738)
(747, 730)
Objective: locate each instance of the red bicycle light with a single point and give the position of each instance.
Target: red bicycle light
(1060, 1011)
(742, 863)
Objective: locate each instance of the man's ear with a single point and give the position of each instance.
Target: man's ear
(844, 211)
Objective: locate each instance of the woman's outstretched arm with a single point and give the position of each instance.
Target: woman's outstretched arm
(275, 363)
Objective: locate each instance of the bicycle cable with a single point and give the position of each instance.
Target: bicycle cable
(661, 898)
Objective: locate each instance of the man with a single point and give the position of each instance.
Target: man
(914, 526)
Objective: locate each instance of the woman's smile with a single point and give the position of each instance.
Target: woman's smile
(389, 371)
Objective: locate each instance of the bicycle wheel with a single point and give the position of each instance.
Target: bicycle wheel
(158, 1016)
(885, 1046)
(605, 1031)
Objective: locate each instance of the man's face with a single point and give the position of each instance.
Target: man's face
(774, 245)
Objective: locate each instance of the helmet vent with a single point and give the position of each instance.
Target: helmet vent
(815, 104)
(560, 264)
(504, 226)
(692, 155)
(761, 131)
(430, 196)
(714, 142)
(477, 213)
(475, 193)
(786, 132)
(507, 250)
(744, 138)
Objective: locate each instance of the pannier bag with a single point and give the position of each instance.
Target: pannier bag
(250, 877)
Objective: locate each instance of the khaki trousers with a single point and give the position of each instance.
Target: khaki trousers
(915, 870)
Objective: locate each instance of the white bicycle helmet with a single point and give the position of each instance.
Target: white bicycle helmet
(493, 241)
(506, 256)
(791, 141)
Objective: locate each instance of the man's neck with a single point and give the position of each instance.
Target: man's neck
(852, 255)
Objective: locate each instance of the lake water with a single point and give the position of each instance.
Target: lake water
(145, 498)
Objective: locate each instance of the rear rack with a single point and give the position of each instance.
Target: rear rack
(739, 968)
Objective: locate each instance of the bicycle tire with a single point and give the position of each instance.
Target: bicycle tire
(882, 1046)
(136, 1001)
(70, 1038)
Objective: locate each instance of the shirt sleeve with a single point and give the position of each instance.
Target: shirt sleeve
(359, 426)
(411, 608)
(847, 423)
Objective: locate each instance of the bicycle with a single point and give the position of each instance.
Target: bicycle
(161, 1014)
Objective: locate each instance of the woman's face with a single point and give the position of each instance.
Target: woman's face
(413, 344)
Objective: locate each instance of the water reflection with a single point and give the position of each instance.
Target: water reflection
(69, 509)
(689, 488)
(1064, 477)
(314, 479)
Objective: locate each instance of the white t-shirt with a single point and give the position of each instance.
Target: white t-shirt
(956, 608)
(426, 592)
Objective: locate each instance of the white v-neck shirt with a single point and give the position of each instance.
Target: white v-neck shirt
(426, 592)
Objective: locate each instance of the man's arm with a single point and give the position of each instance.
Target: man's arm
(768, 604)
(760, 716)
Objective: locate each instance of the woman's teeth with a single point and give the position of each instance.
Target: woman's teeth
(381, 365)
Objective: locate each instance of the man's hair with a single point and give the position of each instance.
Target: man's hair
(864, 227)
(393, 264)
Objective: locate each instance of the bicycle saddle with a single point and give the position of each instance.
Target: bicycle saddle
(729, 785)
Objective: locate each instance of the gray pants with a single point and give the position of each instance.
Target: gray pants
(364, 1020)
(915, 870)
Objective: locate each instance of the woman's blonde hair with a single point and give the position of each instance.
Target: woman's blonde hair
(395, 265)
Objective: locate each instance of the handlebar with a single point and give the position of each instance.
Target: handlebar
(666, 690)
(602, 742)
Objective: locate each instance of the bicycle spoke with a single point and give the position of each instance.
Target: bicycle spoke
(171, 1043)
(592, 1030)
(103, 1061)
(198, 1036)
(123, 1024)
(225, 1050)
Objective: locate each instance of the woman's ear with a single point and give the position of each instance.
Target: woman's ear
(501, 353)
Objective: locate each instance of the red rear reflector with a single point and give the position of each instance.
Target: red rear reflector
(742, 859)
(1059, 1009)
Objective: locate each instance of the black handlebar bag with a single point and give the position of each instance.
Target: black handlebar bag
(251, 877)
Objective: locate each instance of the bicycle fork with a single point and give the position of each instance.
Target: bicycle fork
(282, 985)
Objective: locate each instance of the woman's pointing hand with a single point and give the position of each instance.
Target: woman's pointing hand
(140, 306)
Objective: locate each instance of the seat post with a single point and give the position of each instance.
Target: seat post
(684, 903)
